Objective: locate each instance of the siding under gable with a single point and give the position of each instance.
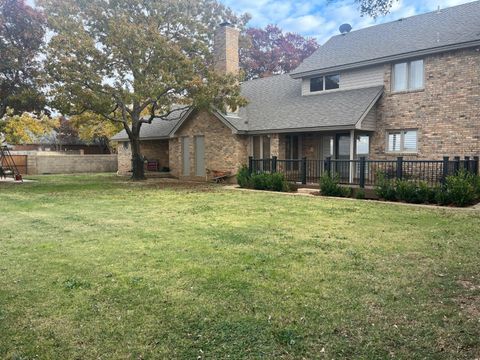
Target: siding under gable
(370, 120)
(361, 78)
(352, 79)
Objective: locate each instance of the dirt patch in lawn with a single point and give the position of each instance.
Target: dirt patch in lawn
(470, 303)
(167, 183)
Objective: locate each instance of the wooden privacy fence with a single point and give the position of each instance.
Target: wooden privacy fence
(21, 163)
(364, 172)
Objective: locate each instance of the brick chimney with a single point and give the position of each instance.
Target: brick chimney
(226, 49)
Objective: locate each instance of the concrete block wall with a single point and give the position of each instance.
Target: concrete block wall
(43, 163)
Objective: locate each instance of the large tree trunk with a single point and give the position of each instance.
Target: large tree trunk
(3, 109)
(138, 170)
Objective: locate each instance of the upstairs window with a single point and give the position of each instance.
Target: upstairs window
(402, 141)
(408, 76)
(322, 83)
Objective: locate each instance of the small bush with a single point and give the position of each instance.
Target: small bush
(243, 177)
(426, 194)
(459, 189)
(385, 187)
(329, 186)
(263, 181)
(278, 182)
(406, 191)
(360, 194)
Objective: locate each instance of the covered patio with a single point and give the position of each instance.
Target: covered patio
(290, 149)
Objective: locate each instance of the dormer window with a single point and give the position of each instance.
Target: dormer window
(327, 82)
(408, 76)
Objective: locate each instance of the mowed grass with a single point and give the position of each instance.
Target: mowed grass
(100, 267)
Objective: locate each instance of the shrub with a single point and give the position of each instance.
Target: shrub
(265, 181)
(278, 182)
(243, 177)
(406, 191)
(360, 194)
(385, 188)
(426, 194)
(329, 186)
(261, 181)
(459, 189)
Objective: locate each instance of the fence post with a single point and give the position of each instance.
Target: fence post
(399, 167)
(250, 165)
(457, 164)
(304, 170)
(362, 172)
(274, 164)
(445, 169)
(476, 164)
(467, 163)
(328, 165)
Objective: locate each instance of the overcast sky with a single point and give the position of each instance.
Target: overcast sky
(321, 18)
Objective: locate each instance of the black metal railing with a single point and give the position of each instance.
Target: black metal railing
(364, 172)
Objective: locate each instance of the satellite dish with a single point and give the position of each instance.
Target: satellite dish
(345, 28)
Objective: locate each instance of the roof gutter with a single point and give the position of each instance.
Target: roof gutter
(298, 130)
(386, 59)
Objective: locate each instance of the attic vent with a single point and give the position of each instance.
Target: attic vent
(345, 28)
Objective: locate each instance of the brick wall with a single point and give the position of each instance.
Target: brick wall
(226, 49)
(150, 149)
(446, 113)
(223, 150)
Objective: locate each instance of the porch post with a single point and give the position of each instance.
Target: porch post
(352, 154)
(274, 145)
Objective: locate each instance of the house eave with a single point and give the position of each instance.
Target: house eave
(143, 138)
(301, 129)
(386, 59)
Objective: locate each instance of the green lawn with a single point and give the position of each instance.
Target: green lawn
(100, 267)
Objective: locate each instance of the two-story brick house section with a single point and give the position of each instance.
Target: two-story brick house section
(409, 87)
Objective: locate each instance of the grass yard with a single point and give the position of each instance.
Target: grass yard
(100, 267)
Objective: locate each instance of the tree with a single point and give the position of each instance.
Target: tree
(270, 51)
(374, 8)
(25, 128)
(65, 133)
(117, 58)
(92, 128)
(21, 36)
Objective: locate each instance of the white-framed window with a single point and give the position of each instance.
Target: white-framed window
(402, 141)
(408, 76)
(325, 82)
(126, 144)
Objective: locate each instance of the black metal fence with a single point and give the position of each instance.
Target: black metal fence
(364, 172)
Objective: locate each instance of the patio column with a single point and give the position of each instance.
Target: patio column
(352, 154)
(274, 145)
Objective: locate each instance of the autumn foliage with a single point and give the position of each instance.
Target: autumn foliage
(271, 51)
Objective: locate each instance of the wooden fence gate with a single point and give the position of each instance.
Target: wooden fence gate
(21, 163)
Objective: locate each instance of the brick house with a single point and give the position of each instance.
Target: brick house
(409, 87)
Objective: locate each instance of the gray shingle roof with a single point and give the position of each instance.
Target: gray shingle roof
(276, 103)
(451, 26)
(158, 129)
